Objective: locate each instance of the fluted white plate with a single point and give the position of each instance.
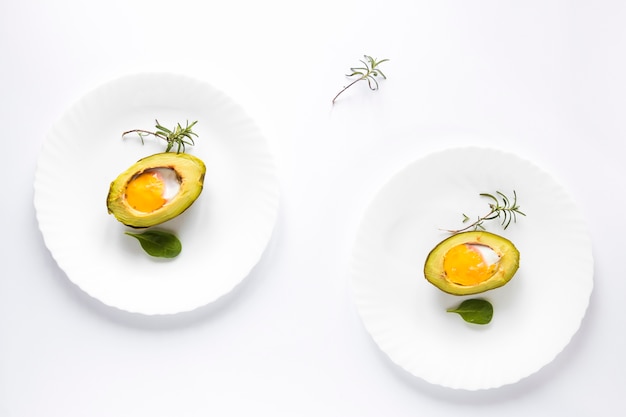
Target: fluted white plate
(536, 314)
(224, 233)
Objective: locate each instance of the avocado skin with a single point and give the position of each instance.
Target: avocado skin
(189, 169)
(507, 266)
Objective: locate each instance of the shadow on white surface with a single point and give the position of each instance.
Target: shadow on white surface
(537, 381)
(157, 322)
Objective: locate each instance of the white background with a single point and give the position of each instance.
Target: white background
(543, 79)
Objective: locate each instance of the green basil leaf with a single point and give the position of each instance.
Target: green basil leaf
(158, 243)
(474, 310)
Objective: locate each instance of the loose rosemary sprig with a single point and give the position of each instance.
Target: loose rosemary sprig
(507, 211)
(179, 136)
(368, 73)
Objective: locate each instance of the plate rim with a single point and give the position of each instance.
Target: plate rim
(272, 191)
(364, 218)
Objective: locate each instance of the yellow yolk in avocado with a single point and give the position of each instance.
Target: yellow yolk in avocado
(145, 191)
(470, 264)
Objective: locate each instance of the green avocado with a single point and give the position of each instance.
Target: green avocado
(471, 263)
(156, 189)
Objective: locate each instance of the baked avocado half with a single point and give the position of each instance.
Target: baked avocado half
(471, 262)
(156, 189)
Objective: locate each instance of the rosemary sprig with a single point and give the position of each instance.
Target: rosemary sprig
(179, 136)
(368, 72)
(507, 211)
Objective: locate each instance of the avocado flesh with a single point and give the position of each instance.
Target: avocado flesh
(504, 271)
(190, 172)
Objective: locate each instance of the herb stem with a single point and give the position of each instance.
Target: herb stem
(142, 132)
(179, 136)
(477, 223)
(368, 72)
(507, 210)
(345, 88)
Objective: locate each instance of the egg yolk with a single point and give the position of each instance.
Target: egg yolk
(145, 192)
(466, 264)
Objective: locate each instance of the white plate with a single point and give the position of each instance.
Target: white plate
(224, 233)
(535, 314)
